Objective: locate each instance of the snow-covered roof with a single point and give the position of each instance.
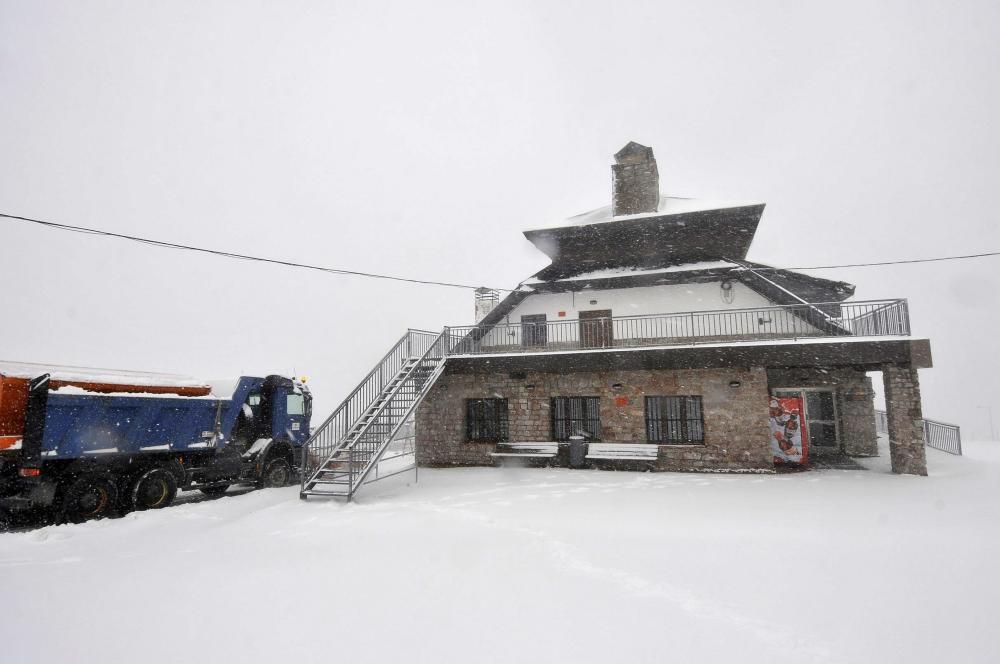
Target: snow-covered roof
(669, 205)
(611, 273)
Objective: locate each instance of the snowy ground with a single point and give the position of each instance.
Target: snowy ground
(530, 565)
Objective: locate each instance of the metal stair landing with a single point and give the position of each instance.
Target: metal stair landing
(370, 426)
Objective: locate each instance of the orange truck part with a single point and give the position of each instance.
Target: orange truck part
(13, 400)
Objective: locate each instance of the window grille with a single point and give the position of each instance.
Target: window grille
(486, 420)
(675, 420)
(576, 416)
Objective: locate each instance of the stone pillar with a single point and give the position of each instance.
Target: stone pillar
(906, 425)
(857, 417)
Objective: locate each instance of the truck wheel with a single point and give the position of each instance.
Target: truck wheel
(89, 496)
(276, 473)
(215, 490)
(153, 489)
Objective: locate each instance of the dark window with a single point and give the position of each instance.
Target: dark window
(674, 420)
(821, 416)
(576, 416)
(533, 330)
(486, 420)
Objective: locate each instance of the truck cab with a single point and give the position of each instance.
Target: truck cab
(268, 422)
(278, 408)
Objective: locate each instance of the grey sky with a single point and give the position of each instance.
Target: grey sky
(420, 138)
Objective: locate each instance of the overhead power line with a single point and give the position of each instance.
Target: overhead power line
(899, 262)
(229, 254)
(430, 282)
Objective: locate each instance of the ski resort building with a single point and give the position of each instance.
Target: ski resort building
(650, 342)
(652, 337)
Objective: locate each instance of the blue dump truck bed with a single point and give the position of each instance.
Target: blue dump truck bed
(82, 424)
(78, 423)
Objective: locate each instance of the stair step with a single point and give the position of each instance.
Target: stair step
(330, 494)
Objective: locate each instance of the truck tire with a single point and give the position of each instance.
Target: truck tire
(152, 490)
(215, 491)
(88, 496)
(277, 472)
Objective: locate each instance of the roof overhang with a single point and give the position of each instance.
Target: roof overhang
(649, 240)
(868, 354)
(634, 280)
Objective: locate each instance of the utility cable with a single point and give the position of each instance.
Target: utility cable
(374, 275)
(881, 263)
(229, 254)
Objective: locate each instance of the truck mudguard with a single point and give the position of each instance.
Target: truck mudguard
(34, 422)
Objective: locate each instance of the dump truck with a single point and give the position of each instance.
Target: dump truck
(88, 445)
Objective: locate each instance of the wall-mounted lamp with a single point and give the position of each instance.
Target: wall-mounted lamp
(617, 386)
(734, 383)
(593, 301)
(529, 387)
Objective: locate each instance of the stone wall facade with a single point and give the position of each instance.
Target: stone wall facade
(854, 397)
(734, 403)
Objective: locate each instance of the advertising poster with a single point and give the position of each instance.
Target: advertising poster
(788, 445)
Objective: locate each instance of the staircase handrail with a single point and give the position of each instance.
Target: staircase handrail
(392, 394)
(380, 366)
(371, 373)
(363, 473)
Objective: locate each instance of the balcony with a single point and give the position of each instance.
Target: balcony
(878, 318)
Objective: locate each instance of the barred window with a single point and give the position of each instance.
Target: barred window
(675, 420)
(486, 420)
(576, 416)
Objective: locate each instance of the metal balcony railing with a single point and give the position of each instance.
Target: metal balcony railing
(939, 435)
(800, 321)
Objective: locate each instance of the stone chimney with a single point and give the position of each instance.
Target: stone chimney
(486, 299)
(636, 180)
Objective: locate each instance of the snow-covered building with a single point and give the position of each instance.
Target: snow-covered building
(652, 336)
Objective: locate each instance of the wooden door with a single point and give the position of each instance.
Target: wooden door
(595, 329)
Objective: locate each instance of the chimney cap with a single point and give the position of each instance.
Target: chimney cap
(634, 153)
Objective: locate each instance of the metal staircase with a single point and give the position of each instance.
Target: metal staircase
(341, 454)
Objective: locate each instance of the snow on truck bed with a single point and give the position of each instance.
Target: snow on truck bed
(95, 375)
(221, 388)
(531, 565)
